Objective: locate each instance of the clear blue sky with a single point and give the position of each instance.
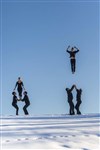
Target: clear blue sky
(35, 35)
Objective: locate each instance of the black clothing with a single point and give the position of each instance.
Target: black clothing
(27, 103)
(73, 60)
(25, 109)
(19, 86)
(72, 53)
(70, 98)
(78, 96)
(78, 99)
(73, 65)
(71, 109)
(77, 107)
(14, 104)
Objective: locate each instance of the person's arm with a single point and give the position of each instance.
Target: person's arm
(72, 88)
(15, 86)
(23, 86)
(75, 87)
(23, 100)
(77, 50)
(67, 50)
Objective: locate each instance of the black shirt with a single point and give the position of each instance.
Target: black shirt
(78, 96)
(70, 95)
(19, 84)
(26, 99)
(14, 99)
(72, 53)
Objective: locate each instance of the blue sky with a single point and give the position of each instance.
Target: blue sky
(35, 35)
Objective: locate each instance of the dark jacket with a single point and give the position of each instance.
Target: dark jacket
(72, 54)
(69, 94)
(78, 96)
(26, 100)
(19, 85)
(14, 99)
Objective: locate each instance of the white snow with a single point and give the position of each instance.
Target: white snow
(50, 132)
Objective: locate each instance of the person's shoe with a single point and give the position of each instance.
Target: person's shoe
(79, 113)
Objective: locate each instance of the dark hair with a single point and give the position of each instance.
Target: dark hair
(13, 93)
(25, 92)
(19, 78)
(67, 89)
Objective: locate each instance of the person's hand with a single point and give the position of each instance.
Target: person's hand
(68, 46)
(75, 87)
(19, 99)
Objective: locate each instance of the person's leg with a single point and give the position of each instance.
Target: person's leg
(71, 61)
(77, 107)
(16, 107)
(72, 108)
(17, 110)
(69, 108)
(20, 92)
(25, 109)
(74, 65)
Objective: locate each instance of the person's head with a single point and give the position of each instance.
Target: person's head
(67, 89)
(72, 49)
(13, 93)
(80, 90)
(18, 78)
(25, 93)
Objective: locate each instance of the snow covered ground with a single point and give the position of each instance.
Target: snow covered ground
(50, 132)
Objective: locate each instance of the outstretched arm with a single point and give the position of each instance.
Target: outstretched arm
(72, 87)
(15, 86)
(75, 87)
(23, 86)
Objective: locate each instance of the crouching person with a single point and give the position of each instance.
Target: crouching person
(27, 103)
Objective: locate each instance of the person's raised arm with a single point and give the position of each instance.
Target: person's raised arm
(77, 50)
(67, 50)
(75, 87)
(72, 87)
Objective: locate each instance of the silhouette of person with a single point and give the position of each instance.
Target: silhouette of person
(14, 102)
(78, 99)
(70, 100)
(72, 57)
(20, 87)
(27, 102)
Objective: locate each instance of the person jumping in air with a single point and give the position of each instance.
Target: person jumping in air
(70, 100)
(72, 53)
(78, 99)
(14, 102)
(20, 87)
(27, 103)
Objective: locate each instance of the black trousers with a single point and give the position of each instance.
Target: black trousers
(25, 109)
(73, 65)
(16, 107)
(19, 92)
(77, 107)
(71, 108)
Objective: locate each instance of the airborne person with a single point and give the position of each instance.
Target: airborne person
(20, 87)
(72, 53)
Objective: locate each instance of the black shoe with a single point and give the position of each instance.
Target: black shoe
(79, 113)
